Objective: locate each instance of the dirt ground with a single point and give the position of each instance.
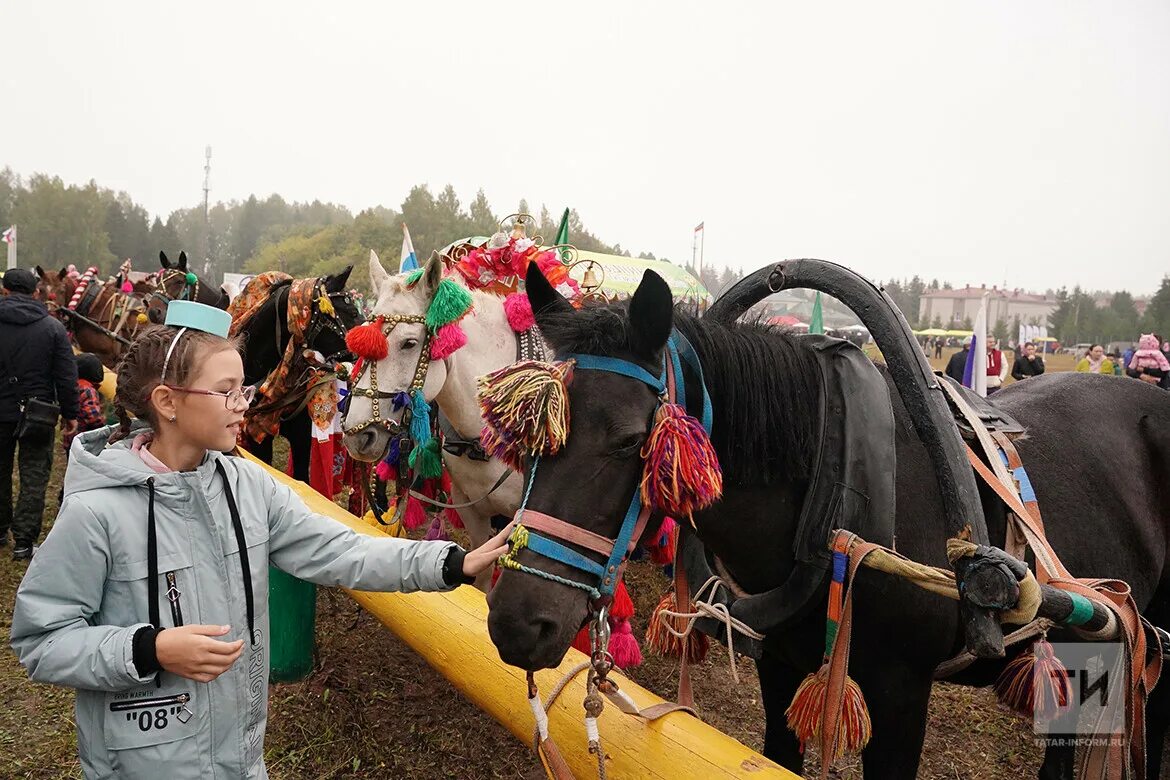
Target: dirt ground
(373, 709)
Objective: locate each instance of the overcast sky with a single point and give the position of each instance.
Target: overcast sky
(981, 142)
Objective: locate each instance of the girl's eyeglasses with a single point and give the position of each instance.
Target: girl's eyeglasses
(234, 399)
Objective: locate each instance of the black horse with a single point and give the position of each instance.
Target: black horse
(174, 284)
(1098, 452)
(266, 338)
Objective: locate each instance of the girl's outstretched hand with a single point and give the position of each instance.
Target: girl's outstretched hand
(481, 558)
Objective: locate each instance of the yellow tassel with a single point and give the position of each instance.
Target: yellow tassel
(325, 306)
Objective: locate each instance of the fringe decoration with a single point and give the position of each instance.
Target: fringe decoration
(415, 516)
(1035, 683)
(661, 641)
(453, 518)
(622, 607)
(127, 287)
(420, 417)
(682, 472)
(806, 713)
(662, 548)
(623, 645)
(581, 641)
(526, 409)
(450, 302)
(367, 341)
(385, 472)
(425, 460)
(808, 707)
(518, 310)
(447, 339)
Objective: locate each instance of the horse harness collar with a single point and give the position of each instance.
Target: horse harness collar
(539, 532)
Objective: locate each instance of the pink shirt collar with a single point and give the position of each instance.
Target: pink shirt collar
(139, 447)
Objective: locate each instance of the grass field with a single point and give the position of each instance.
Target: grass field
(373, 709)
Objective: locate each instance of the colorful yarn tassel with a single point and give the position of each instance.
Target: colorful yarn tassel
(1035, 683)
(385, 471)
(518, 310)
(447, 340)
(806, 714)
(127, 287)
(682, 472)
(367, 341)
(420, 417)
(425, 460)
(659, 640)
(623, 645)
(415, 516)
(526, 409)
(662, 548)
(450, 302)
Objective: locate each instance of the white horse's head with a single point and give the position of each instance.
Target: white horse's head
(370, 416)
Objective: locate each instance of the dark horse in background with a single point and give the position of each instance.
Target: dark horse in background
(174, 284)
(1097, 451)
(265, 340)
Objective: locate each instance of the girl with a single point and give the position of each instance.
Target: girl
(149, 595)
(1095, 361)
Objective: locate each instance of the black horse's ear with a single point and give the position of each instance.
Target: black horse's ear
(651, 316)
(542, 297)
(182, 261)
(335, 283)
(40, 272)
(163, 260)
(63, 272)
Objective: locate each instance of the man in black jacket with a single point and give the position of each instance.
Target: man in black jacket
(36, 361)
(1028, 363)
(957, 365)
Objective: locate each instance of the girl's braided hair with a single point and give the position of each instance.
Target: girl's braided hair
(141, 365)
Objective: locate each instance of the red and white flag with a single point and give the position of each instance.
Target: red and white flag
(9, 235)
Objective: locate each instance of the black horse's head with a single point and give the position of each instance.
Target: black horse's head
(330, 321)
(176, 282)
(591, 481)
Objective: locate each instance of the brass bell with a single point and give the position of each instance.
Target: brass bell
(590, 280)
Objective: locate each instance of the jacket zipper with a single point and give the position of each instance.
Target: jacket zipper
(177, 703)
(173, 594)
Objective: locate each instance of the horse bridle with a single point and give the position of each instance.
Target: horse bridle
(669, 387)
(386, 324)
(319, 319)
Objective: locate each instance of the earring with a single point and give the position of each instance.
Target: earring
(172, 418)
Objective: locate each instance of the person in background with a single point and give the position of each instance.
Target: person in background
(1095, 361)
(958, 362)
(938, 345)
(36, 361)
(996, 367)
(1115, 358)
(1149, 363)
(90, 413)
(1028, 363)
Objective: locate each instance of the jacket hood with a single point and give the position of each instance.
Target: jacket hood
(17, 309)
(94, 464)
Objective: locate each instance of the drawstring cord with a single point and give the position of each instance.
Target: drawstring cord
(245, 564)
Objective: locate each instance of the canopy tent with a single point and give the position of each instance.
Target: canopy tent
(959, 333)
(930, 332)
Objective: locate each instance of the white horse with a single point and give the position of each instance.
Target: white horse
(451, 382)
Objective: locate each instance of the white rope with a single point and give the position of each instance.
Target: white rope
(710, 609)
(541, 718)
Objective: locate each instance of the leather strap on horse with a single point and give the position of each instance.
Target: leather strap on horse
(1103, 761)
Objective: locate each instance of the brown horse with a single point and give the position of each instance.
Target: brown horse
(174, 282)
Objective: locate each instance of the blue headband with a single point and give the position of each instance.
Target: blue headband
(199, 316)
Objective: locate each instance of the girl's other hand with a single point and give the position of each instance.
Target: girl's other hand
(481, 558)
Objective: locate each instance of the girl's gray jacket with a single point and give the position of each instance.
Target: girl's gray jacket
(85, 595)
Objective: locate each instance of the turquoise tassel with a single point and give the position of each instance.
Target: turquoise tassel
(420, 418)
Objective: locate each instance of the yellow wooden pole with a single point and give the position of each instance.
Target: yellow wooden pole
(449, 631)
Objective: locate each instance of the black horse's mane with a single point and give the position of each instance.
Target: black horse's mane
(763, 383)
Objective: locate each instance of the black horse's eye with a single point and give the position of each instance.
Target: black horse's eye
(409, 344)
(627, 446)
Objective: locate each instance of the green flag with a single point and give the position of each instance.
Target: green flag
(563, 234)
(817, 321)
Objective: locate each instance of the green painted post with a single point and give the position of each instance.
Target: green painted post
(292, 616)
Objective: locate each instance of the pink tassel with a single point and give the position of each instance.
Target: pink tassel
(623, 645)
(384, 471)
(415, 515)
(622, 607)
(662, 548)
(453, 518)
(447, 339)
(518, 309)
(127, 287)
